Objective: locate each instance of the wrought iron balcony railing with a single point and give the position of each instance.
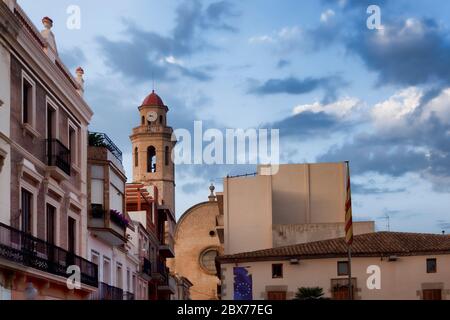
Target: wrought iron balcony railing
(128, 296)
(58, 155)
(107, 292)
(22, 248)
(97, 139)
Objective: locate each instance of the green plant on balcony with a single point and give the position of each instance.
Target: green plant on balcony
(96, 140)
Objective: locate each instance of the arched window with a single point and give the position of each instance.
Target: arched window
(166, 156)
(161, 119)
(151, 159)
(136, 158)
(143, 120)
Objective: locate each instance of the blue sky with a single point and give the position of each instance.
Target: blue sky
(335, 89)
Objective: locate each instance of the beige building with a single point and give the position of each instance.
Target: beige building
(152, 192)
(113, 241)
(301, 203)
(44, 154)
(385, 265)
(196, 246)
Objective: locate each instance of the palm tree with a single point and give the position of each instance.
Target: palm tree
(306, 293)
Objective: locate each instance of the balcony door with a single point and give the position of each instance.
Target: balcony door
(27, 211)
(432, 294)
(71, 233)
(51, 123)
(276, 295)
(51, 224)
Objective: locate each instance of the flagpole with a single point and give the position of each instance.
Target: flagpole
(350, 289)
(350, 230)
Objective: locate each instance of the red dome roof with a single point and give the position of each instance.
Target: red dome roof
(153, 100)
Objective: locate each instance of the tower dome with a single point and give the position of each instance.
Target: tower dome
(153, 100)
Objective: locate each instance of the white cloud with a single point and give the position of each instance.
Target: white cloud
(341, 108)
(261, 39)
(391, 113)
(286, 34)
(394, 113)
(326, 15)
(173, 60)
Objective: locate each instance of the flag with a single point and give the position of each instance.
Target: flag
(348, 211)
(242, 284)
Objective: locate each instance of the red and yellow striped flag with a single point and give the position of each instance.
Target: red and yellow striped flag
(348, 211)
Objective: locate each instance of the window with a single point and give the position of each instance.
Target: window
(119, 281)
(51, 223)
(27, 210)
(94, 257)
(160, 119)
(51, 123)
(28, 100)
(73, 144)
(128, 280)
(71, 232)
(432, 294)
(431, 265)
(143, 120)
(166, 156)
(342, 268)
(277, 270)
(136, 157)
(207, 260)
(151, 159)
(133, 283)
(106, 270)
(276, 295)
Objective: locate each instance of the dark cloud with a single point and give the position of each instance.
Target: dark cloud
(283, 63)
(144, 54)
(443, 224)
(371, 153)
(410, 52)
(359, 188)
(73, 58)
(312, 124)
(291, 85)
(425, 149)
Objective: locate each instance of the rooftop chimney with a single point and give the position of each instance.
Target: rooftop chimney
(48, 35)
(80, 72)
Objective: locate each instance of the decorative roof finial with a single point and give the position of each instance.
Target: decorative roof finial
(212, 196)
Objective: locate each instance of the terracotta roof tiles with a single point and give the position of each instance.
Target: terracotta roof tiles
(370, 244)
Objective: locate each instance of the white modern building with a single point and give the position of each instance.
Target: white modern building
(110, 227)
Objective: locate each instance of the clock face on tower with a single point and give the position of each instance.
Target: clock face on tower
(152, 116)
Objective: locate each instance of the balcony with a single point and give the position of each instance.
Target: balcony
(161, 272)
(166, 247)
(128, 296)
(107, 226)
(58, 158)
(146, 269)
(101, 140)
(24, 249)
(107, 292)
(168, 285)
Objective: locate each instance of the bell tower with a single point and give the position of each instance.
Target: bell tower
(152, 150)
